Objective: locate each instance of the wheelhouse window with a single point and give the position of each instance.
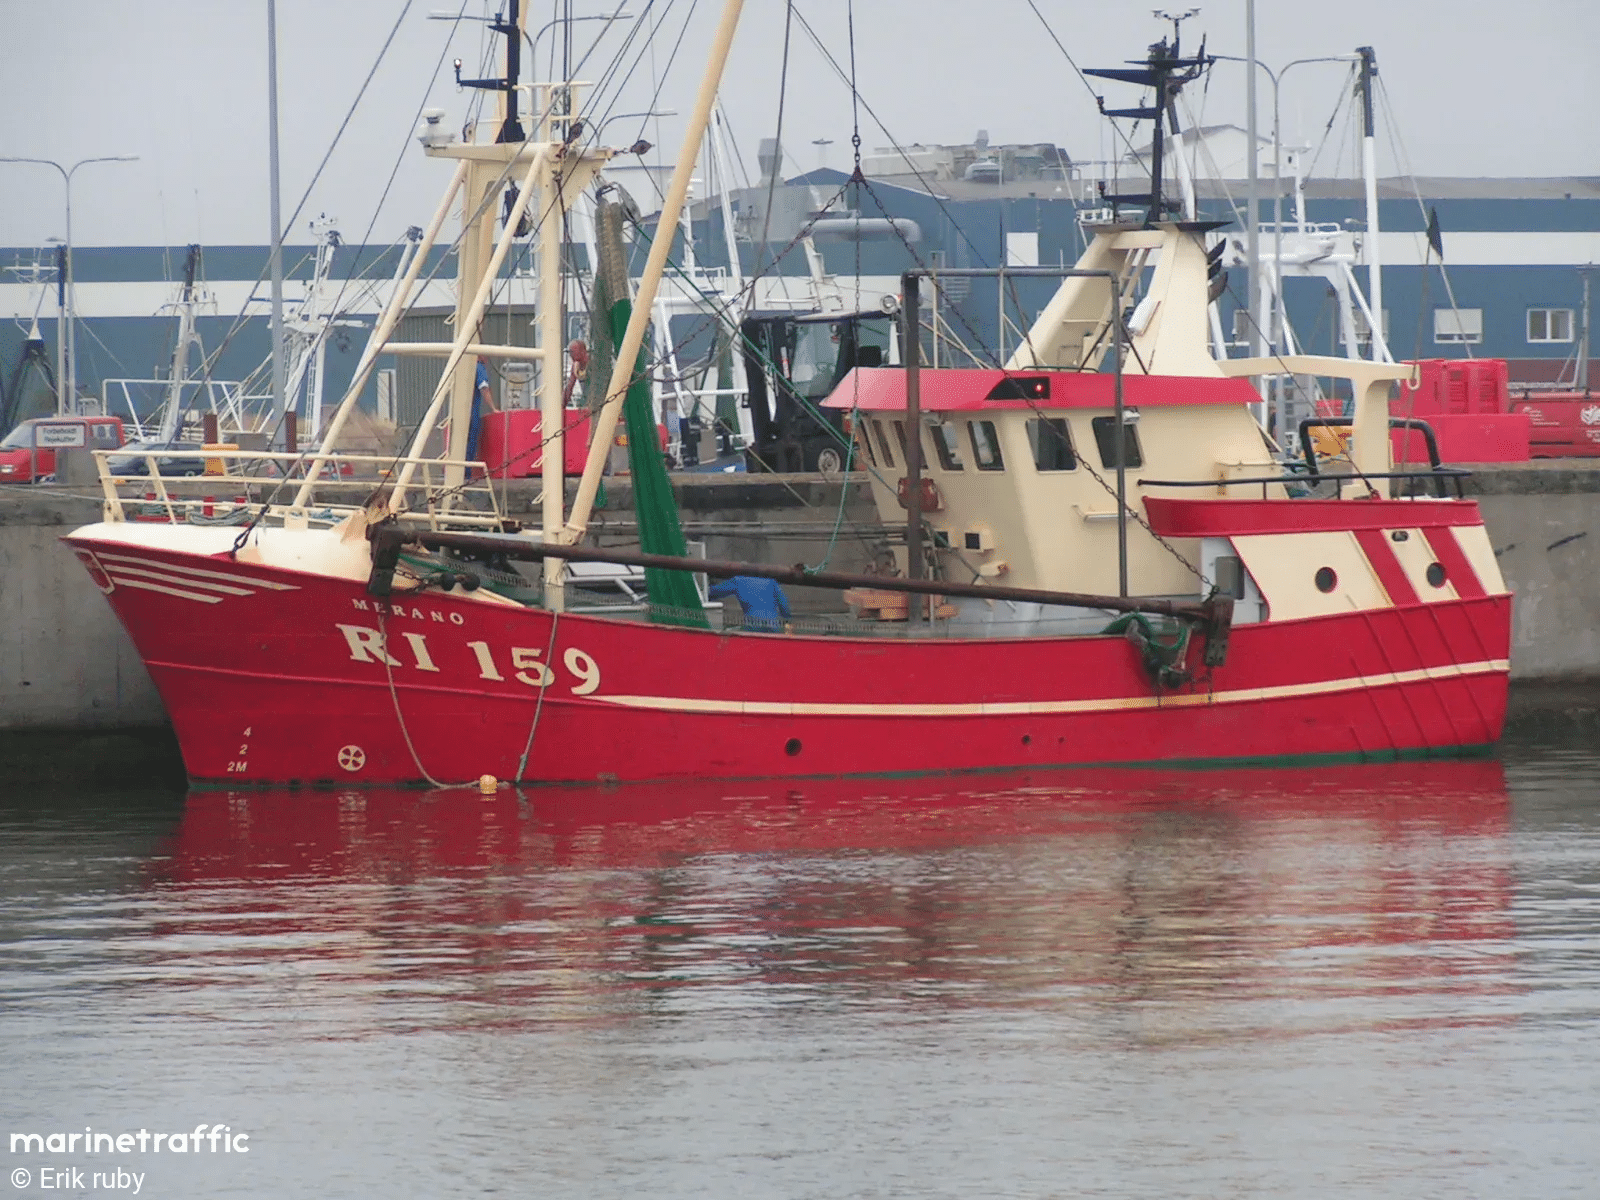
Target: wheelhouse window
(900, 436)
(1105, 439)
(1458, 325)
(864, 437)
(1549, 324)
(1052, 444)
(883, 442)
(985, 446)
(947, 445)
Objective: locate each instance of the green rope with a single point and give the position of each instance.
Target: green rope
(844, 495)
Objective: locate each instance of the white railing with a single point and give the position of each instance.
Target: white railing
(344, 487)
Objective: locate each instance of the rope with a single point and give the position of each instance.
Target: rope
(538, 707)
(394, 696)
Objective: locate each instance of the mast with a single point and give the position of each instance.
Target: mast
(172, 414)
(1253, 225)
(605, 421)
(1369, 171)
(276, 258)
(62, 408)
(511, 28)
(1166, 71)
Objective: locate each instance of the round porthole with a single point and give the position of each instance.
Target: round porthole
(1437, 574)
(792, 747)
(1027, 739)
(1326, 579)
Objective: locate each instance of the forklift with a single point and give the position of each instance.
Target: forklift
(793, 362)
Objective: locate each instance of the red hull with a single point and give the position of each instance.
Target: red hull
(282, 680)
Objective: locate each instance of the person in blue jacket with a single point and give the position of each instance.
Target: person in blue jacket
(482, 404)
(765, 606)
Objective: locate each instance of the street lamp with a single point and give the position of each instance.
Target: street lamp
(642, 116)
(1278, 310)
(533, 43)
(66, 372)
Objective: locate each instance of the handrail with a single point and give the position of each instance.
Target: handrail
(1438, 474)
(1421, 426)
(296, 467)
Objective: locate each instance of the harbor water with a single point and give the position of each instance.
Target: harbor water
(1374, 981)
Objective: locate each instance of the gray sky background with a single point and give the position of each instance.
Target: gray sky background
(1475, 87)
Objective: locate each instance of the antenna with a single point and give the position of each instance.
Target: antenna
(1177, 20)
(1167, 72)
(511, 28)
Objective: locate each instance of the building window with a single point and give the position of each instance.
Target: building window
(1052, 444)
(1458, 325)
(1105, 438)
(985, 446)
(947, 446)
(1549, 324)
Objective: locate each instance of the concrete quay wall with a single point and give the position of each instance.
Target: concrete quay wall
(65, 662)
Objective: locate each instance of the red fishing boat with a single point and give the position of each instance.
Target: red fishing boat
(1104, 561)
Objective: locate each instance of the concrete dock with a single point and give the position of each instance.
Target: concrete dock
(66, 664)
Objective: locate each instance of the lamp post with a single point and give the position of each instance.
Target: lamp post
(533, 43)
(1276, 77)
(1279, 310)
(66, 372)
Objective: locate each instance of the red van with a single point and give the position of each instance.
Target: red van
(28, 452)
(1565, 424)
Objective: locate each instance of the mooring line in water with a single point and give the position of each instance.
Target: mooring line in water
(394, 696)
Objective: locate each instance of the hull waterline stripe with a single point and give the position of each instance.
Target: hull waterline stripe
(165, 591)
(125, 574)
(231, 577)
(1353, 683)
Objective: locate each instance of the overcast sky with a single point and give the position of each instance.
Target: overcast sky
(1475, 87)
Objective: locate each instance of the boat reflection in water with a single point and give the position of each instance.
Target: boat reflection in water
(1362, 883)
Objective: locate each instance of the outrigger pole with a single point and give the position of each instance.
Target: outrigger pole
(1215, 613)
(605, 421)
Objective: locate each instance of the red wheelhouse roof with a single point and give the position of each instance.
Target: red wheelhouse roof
(966, 389)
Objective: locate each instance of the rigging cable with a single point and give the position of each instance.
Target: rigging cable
(238, 323)
(772, 182)
(1403, 160)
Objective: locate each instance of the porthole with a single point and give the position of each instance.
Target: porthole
(1437, 574)
(792, 747)
(1326, 579)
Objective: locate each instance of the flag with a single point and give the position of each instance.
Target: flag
(1435, 241)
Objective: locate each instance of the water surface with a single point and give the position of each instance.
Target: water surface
(1365, 981)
